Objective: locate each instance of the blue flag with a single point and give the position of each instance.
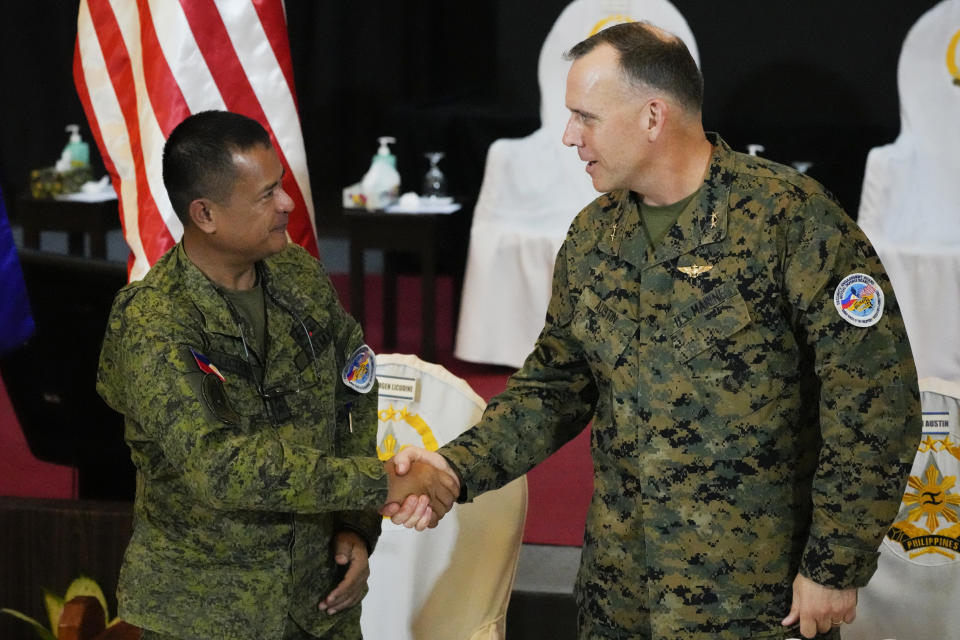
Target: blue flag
(16, 322)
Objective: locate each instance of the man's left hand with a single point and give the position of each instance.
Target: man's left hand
(349, 550)
(819, 608)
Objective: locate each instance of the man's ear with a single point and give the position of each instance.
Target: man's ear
(654, 118)
(201, 215)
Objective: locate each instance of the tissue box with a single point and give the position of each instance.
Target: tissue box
(353, 197)
(47, 182)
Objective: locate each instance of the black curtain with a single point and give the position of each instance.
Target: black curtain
(813, 81)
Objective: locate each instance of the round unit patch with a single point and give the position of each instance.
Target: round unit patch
(360, 371)
(859, 300)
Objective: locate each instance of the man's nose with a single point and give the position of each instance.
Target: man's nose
(571, 136)
(284, 201)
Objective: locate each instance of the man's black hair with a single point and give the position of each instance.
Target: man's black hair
(198, 156)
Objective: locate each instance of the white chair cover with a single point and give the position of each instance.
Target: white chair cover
(532, 189)
(453, 581)
(914, 594)
(910, 206)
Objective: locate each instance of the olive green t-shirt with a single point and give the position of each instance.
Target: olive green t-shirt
(658, 220)
(249, 303)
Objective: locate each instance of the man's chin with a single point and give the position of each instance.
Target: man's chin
(600, 186)
(277, 244)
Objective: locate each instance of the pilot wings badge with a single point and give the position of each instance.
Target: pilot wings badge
(696, 270)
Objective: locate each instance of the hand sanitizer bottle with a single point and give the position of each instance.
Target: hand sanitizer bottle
(79, 150)
(381, 183)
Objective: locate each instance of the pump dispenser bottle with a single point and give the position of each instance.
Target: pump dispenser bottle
(381, 183)
(79, 150)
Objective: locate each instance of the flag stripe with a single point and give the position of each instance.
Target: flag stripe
(240, 97)
(103, 112)
(150, 182)
(169, 105)
(275, 26)
(183, 56)
(253, 48)
(155, 236)
(141, 67)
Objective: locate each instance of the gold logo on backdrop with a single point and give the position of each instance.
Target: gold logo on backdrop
(952, 58)
(696, 270)
(610, 20)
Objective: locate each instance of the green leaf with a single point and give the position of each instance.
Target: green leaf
(41, 631)
(84, 586)
(54, 604)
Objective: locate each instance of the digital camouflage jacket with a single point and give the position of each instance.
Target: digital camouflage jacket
(743, 429)
(240, 485)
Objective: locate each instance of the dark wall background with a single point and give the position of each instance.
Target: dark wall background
(810, 81)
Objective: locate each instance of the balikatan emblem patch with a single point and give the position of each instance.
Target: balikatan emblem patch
(859, 300)
(360, 371)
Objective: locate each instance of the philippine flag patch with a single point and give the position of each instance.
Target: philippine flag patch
(859, 300)
(205, 365)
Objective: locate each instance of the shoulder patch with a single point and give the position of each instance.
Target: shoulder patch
(859, 300)
(360, 371)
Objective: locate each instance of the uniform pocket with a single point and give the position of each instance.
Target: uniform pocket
(717, 316)
(604, 332)
(733, 367)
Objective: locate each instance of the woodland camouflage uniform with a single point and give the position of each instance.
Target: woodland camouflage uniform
(239, 493)
(742, 429)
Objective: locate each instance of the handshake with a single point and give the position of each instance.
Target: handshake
(421, 488)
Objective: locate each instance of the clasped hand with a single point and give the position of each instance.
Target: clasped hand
(818, 608)
(421, 488)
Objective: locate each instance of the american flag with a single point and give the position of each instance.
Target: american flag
(142, 66)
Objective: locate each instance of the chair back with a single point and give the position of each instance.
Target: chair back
(917, 583)
(453, 581)
(911, 195)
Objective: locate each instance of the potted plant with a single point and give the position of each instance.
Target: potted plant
(81, 586)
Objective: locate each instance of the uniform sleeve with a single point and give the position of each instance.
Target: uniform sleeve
(869, 410)
(146, 373)
(545, 405)
(356, 428)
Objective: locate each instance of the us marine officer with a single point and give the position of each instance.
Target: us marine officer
(737, 345)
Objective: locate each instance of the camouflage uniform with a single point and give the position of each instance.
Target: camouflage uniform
(239, 493)
(742, 430)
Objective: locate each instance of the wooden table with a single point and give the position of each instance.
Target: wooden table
(74, 217)
(416, 233)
